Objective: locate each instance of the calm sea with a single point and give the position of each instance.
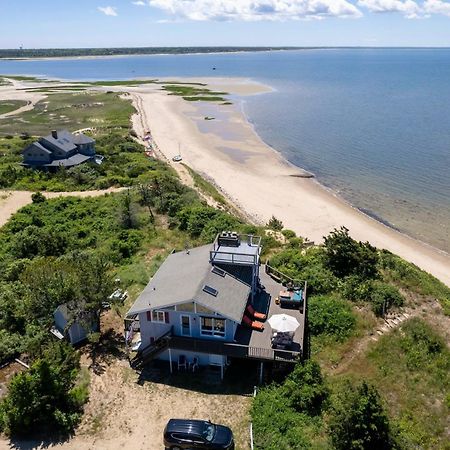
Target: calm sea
(372, 124)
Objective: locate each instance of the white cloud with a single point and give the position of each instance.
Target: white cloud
(108, 10)
(139, 3)
(407, 7)
(253, 10)
(437, 7)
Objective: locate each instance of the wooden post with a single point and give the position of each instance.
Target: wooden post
(170, 360)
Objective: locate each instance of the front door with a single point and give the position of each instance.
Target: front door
(185, 325)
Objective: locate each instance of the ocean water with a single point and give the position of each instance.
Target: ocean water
(371, 124)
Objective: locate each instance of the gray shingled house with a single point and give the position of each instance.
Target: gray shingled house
(59, 149)
(194, 308)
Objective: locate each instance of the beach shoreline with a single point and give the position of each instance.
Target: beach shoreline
(260, 181)
(253, 175)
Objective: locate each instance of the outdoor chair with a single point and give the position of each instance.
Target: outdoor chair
(182, 362)
(254, 325)
(255, 314)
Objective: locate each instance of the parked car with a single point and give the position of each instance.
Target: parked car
(182, 434)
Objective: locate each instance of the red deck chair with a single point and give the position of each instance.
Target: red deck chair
(258, 326)
(255, 314)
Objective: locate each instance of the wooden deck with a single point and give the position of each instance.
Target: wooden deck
(265, 303)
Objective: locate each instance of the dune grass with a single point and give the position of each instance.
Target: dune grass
(7, 106)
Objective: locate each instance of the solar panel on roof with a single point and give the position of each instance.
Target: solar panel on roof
(218, 271)
(210, 290)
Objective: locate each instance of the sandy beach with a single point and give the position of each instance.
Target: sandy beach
(228, 152)
(257, 179)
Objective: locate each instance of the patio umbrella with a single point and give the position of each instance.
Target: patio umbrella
(283, 323)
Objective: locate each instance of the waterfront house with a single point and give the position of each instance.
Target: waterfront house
(200, 304)
(59, 149)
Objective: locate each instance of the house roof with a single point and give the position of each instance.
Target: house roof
(182, 278)
(82, 139)
(73, 160)
(38, 146)
(64, 141)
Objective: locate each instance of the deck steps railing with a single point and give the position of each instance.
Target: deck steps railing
(150, 352)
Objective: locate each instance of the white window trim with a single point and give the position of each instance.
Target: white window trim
(158, 320)
(190, 325)
(213, 333)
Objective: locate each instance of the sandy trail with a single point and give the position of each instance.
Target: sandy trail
(12, 92)
(260, 181)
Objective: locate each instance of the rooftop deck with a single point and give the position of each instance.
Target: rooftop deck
(265, 303)
(246, 253)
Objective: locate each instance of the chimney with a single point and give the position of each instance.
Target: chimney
(54, 134)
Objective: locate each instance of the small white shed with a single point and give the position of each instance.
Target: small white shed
(79, 328)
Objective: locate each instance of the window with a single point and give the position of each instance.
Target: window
(213, 327)
(187, 307)
(185, 325)
(158, 316)
(210, 290)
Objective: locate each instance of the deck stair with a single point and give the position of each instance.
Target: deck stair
(150, 352)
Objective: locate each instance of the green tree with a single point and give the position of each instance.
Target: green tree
(38, 197)
(41, 398)
(344, 256)
(305, 388)
(384, 297)
(358, 420)
(275, 224)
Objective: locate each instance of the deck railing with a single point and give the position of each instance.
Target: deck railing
(219, 253)
(232, 349)
(283, 278)
(222, 256)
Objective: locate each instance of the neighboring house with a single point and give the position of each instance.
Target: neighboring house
(59, 149)
(74, 329)
(194, 305)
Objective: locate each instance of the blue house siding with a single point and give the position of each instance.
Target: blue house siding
(152, 330)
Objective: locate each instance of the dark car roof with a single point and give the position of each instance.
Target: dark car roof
(189, 426)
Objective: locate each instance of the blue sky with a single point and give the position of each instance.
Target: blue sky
(116, 23)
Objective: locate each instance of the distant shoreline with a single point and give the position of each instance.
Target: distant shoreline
(92, 53)
(56, 53)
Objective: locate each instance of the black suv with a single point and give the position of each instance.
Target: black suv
(197, 434)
